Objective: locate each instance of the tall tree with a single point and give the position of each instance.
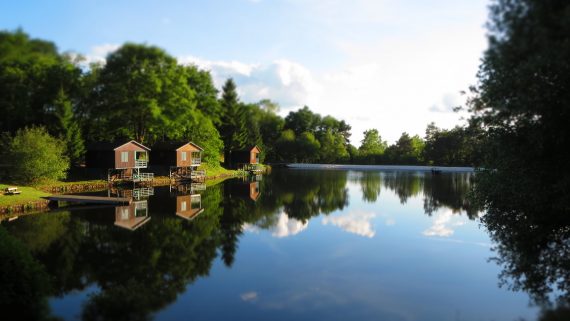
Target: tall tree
(233, 129)
(522, 101)
(143, 93)
(67, 128)
(31, 74)
(206, 93)
(372, 143)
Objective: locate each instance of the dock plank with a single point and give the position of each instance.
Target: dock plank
(85, 199)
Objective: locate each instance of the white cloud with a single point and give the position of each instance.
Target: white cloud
(442, 224)
(98, 54)
(284, 81)
(358, 223)
(286, 226)
(249, 296)
(448, 102)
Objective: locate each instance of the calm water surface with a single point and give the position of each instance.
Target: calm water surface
(296, 245)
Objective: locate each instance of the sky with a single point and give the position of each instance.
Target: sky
(392, 65)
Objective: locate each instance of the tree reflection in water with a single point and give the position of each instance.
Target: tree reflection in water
(533, 249)
(140, 272)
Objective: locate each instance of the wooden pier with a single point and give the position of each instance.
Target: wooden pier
(85, 199)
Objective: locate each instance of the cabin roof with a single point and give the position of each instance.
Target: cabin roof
(249, 149)
(170, 146)
(106, 146)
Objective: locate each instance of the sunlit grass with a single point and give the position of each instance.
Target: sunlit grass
(27, 195)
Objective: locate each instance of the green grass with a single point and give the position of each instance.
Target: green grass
(217, 171)
(29, 194)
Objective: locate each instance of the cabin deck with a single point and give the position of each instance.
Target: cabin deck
(178, 174)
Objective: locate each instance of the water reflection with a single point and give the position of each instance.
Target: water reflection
(134, 266)
(438, 191)
(533, 249)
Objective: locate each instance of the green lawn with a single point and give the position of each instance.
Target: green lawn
(218, 171)
(29, 194)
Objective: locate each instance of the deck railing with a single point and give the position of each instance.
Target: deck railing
(198, 186)
(196, 161)
(141, 163)
(142, 177)
(143, 192)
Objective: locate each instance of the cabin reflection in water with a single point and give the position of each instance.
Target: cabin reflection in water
(247, 188)
(132, 216)
(188, 201)
(135, 193)
(189, 206)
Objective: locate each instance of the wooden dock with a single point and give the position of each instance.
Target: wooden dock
(85, 199)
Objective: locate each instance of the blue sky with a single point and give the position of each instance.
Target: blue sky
(394, 65)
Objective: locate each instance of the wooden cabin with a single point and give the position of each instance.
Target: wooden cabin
(123, 159)
(177, 154)
(182, 159)
(242, 159)
(189, 206)
(132, 216)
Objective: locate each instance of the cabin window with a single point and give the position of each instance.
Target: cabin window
(183, 156)
(183, 206)
(124, 157)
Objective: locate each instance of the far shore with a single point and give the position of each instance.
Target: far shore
(411, 168)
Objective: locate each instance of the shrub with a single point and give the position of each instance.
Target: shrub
(35, 155)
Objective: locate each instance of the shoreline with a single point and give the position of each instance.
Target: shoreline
(41, 205)
(409, 168)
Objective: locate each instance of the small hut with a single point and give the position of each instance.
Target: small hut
(246, 159)
(182, 159)
(123, 160)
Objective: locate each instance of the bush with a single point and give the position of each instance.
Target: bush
(35, 155)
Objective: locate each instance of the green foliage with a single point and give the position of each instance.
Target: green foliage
(522, 104)
(200, 130)
(457, 146)
(407, 150)
(31, 73)
(67, 128)
(35, 155)
(233, 129)
(206, 93)
(308, 146)
(25, 284)
(142, 93)
(372, 146)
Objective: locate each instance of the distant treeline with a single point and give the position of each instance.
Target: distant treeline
(141, 92)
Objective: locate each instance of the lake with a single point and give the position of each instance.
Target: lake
(292, 245)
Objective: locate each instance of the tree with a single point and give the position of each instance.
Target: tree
(31, 74)
(233, 128)
(201, 130)
(302, 120)
(522, 103)
(372, 145)
(407, 150)
(206, 93)
(143, 94)
(307, 147)
(34, 155)
(333, 148)
(67, 128)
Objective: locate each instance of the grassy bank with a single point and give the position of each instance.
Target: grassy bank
(31, 199)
